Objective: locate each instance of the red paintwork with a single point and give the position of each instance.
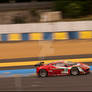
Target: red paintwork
(54, 71)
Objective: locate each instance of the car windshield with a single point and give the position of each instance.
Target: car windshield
(70, 63)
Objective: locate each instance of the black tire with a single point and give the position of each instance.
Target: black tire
(43, 73)
(74, 71)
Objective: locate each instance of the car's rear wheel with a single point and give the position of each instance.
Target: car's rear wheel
(43, 73)
(74, 71)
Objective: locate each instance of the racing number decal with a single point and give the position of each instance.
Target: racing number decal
(65, 70)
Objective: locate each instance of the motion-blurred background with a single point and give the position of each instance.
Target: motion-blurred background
(32, 31)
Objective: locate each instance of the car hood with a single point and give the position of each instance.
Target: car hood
(82, 65)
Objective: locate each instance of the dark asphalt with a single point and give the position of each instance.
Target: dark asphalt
(58, 83)
(61, 83)
(46, 58)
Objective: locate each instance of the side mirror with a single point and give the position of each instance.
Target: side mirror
(66, 66)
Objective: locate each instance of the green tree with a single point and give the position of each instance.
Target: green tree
(88, 6)
(74, 8)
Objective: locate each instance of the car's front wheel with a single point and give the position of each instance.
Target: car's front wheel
(75, 71)
(43, 73)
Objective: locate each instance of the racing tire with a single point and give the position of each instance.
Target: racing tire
(43, 73)
(74, 71)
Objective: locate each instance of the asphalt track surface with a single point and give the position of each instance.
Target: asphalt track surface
(41, 59)
(57, 83)
(47, 58)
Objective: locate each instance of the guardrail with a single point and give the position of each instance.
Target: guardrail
(46, 27)
(46, 31)
(46, 36)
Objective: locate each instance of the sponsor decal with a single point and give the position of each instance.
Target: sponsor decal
(64, 68)
(50, 71)
(80, 69)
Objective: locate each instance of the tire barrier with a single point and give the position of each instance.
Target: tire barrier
(46, 36)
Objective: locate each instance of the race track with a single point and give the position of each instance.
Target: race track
(57, 83)
(33, 83)
(21, 52)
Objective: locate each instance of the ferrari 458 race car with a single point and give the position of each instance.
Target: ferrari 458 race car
(61, 68)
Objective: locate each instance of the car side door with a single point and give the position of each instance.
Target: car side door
(60, 69)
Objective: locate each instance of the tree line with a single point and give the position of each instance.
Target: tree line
(74, 8)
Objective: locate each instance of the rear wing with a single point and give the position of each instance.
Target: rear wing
(39, 64)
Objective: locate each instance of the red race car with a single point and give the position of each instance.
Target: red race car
(61, 68)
